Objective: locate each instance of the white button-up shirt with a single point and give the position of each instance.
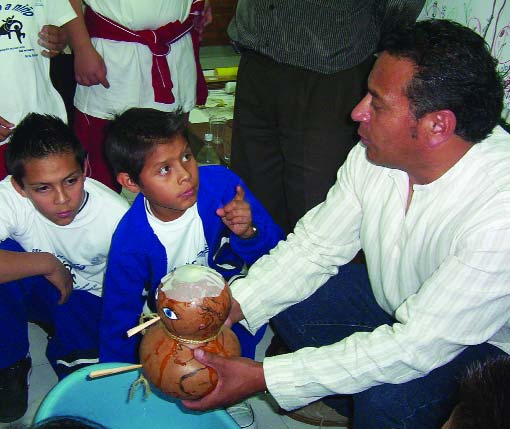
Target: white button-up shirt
(442, 270)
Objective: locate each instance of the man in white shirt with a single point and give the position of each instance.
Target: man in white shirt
(426, 196)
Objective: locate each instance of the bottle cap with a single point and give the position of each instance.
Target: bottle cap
(208, 137)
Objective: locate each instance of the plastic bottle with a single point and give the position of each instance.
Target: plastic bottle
(207, 154)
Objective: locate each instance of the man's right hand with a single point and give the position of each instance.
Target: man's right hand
(61, 278)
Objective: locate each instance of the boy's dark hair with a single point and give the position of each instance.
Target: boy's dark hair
(132, 135)
(39, 136)
(484, 396)
(454, 70)
(66, 422)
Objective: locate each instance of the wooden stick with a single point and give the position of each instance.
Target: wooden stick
(111, 371)
(141, 327)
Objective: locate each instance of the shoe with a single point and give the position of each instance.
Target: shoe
(14, 390)
(318, 414)
(242, 414)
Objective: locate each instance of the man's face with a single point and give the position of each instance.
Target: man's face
(54, 185)
(387, 127)
(169, 179)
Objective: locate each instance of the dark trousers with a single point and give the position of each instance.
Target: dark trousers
(73, 327)
(292, 130)
(91, 132)
(346, 304)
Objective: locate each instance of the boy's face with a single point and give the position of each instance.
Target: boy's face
(169, 179)
(54, 184)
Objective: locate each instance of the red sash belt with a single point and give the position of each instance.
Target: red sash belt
(158, 41)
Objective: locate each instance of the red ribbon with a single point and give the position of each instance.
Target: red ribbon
(159, 42)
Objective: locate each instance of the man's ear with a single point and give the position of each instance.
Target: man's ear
(18, 188)
(126, 182)
(439, 126)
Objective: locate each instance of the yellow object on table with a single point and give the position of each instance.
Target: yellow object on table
(226, 71)
(221, 74)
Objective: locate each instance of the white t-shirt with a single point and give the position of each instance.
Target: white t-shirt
(183, 238)
(129, 64)
(25, 73)
(82, 246)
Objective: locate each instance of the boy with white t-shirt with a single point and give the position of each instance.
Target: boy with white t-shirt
(55, 232)
(182, 215)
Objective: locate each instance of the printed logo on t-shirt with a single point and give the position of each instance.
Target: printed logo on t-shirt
(12, 29)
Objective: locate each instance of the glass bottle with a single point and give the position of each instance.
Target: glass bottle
(207, 154)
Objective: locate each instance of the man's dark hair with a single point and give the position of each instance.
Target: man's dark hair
(39, 136)
(484, 396)
(132, 135)
(454, 70)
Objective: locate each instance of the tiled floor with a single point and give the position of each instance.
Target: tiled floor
(43, 379)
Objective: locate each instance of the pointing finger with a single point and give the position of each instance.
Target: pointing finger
(239, 193)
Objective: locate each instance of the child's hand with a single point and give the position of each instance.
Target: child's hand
(237, 215)
(204, 19)
(89, 67)
(54, 39)
(5, 129)
(61, 278)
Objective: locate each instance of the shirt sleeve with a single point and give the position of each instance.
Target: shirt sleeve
(122, 305)
(60, 12)
(13, 213)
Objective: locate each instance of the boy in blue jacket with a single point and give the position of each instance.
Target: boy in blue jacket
(173, 221)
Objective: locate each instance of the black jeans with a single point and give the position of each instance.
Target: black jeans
(346, 304)
(292, 130)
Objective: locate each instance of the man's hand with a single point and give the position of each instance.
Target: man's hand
(235, 315)
(89, 67)
(53, 38)
(237, 215)
(61, 278)
(238, 378)
(5, 129)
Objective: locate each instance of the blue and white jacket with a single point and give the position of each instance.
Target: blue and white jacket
(137, 260)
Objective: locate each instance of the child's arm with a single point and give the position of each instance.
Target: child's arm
(236, 215)
(89, 67)
(122, 305)
(262, 231)
(18, 265)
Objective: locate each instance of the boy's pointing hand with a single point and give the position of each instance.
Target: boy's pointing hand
(236, 215)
